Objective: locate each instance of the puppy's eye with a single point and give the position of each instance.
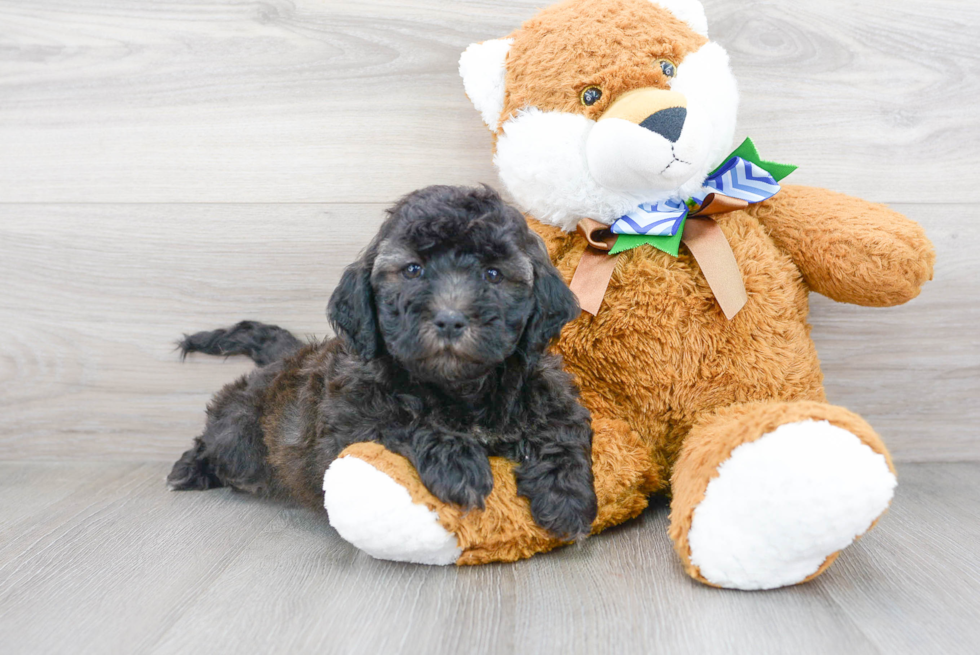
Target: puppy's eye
(590, 95)
(412, 271)
(492, 276)
(667, 67)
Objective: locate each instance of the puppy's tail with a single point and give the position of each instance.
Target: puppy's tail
(263, 343)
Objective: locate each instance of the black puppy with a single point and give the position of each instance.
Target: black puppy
(443, 327)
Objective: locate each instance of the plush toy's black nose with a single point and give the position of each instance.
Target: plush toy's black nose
(668, 123)
(450, 323)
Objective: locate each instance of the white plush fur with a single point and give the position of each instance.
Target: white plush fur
(625, 157)
(689, 11)
(541, 161)
(377, 515)
(561, 167)
(483, 69)
(705, 78)
(781, 504)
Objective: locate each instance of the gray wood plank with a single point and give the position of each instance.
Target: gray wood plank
(115, 563)
(625, 592)
(929, 553)
(122, 565)
(214, 101)
(95, 296)
(26, 491)
(317, 593)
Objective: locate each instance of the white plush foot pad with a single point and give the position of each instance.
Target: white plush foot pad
(783, 503)
(376, 514)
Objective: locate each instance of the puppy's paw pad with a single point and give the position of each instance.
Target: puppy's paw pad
(377, 515)
(784, 503)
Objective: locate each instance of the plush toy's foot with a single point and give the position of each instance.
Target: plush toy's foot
(768, 494)
(378, 515)
(376, 501)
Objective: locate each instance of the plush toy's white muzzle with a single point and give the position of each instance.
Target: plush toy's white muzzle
(645, 143)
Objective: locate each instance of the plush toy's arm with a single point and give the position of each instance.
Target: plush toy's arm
(376, 501)
(849, 249)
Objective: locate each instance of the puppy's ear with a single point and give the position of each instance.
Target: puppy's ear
(351, 309)
(554, 303)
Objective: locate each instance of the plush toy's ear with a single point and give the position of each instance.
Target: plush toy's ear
(689, 11)
(351, 310)
(483, 69)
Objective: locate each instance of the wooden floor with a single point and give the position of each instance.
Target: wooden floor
(95, 557)
(177, 165)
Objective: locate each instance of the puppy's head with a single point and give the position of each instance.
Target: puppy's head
(452, 286)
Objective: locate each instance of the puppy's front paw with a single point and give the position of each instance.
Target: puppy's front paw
(567, 513)
(456, 472)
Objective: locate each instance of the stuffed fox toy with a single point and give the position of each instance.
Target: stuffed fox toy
(612, 123)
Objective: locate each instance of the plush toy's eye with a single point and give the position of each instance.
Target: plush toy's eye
(492, 276)
(412, 271)
(667, 67)
(590, 95)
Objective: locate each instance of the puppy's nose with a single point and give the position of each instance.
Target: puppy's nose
(668, 123)
(450, 323)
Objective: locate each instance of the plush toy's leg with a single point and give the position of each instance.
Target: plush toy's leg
(375, 500)
(767, 494)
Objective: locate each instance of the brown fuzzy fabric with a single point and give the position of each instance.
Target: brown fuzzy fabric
(614, 44)
(660, 352)
(849, 250)
(661, 356)
(717, 434)
(504, 531)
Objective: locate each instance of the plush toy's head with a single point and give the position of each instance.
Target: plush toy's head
(600, 105)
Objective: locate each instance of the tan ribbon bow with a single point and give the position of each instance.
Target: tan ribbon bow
(701, 235)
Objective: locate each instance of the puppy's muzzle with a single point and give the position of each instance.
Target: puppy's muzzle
(450, 324)
(662, 112)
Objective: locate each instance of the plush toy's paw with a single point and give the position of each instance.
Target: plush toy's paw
(783, 505)
(377, 514)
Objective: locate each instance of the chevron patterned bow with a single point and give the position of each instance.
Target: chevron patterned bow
(742, 180)
(737, 178)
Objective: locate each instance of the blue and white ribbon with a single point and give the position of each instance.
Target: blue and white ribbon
(742, 179)
(737, 178)
(661, 219)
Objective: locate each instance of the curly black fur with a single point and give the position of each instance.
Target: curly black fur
(443, 327)
(263, 343)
